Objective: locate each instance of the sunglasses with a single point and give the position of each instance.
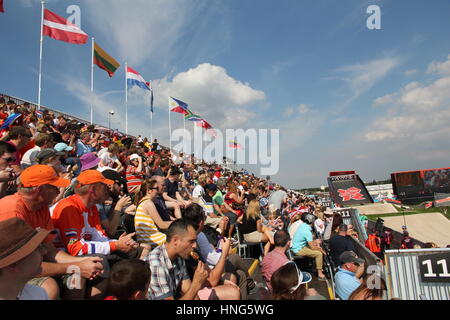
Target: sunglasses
(9, 160)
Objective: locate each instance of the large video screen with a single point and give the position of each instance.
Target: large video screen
(409, 179)
(437, 180)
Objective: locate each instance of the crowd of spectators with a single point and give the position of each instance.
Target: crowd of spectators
(98, 215)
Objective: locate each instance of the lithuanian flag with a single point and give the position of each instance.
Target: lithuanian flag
(104, 60)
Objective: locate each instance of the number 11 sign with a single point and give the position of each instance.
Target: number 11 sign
(435, 267)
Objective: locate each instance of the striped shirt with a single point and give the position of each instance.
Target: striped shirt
(134, 178)
(146, 230)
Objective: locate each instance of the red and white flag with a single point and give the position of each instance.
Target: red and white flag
(1, 6)
(58, 28)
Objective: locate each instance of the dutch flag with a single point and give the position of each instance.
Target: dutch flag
(135, 79)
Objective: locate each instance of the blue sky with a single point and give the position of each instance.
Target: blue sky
(344, 97)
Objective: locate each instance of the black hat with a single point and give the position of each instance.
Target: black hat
(211, 187)
(115, 176)
(350, 257)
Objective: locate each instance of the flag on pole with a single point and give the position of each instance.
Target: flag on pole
(1, 6)
(235, 145)
(105, 61)
(205, 125)
(178, 106)
(58, 28)
(192, 117)
(135, 79)
(149, 84)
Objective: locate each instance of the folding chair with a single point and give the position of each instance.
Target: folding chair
(244, 247)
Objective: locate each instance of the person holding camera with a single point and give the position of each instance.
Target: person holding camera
(135, 173)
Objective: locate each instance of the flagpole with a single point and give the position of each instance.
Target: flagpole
(40, 55)
(126, 99)
(92, 82)
(151, 128)
(184, 127)
(170, 132)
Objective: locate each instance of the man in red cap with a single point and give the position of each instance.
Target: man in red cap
(77, 220)
(37, 189)
(21, 254)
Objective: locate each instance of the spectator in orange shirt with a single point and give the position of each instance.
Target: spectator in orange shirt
(77, 220)
(37, 190)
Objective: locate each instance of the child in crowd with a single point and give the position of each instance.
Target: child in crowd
(129, 280)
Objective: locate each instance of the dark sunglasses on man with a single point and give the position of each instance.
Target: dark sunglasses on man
(9, 159)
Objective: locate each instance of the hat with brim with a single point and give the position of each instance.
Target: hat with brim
(47, 154)
(62, 147)
(93, 176)
(18, 240)
(39, 175)
(134, 156)
(114, 176)
(328, 212)
(350, 257)
(304, 277)
(89, 161)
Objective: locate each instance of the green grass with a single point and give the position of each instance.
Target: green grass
(444, 210)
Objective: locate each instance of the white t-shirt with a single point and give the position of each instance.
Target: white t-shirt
(26, 156)
(198, 191)
(207, 251)
(31, 292)
(108, 160)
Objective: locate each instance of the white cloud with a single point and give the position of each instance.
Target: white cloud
(212, 93)
(416, 112)
(441, 68)
(289, 111)
(300, 109)
(409, 73)
(303, 108)
(361, 77)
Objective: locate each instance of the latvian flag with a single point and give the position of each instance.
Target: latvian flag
(1, 6)
(178, 106)
(58, 28)
(135, 79)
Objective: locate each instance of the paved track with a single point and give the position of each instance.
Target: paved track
(426, 227)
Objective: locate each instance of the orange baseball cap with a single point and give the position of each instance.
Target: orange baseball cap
(39, 175)
(91, 177)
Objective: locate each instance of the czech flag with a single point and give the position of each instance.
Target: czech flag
(178, 106)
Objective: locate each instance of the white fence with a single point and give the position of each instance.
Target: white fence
(418, 274)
